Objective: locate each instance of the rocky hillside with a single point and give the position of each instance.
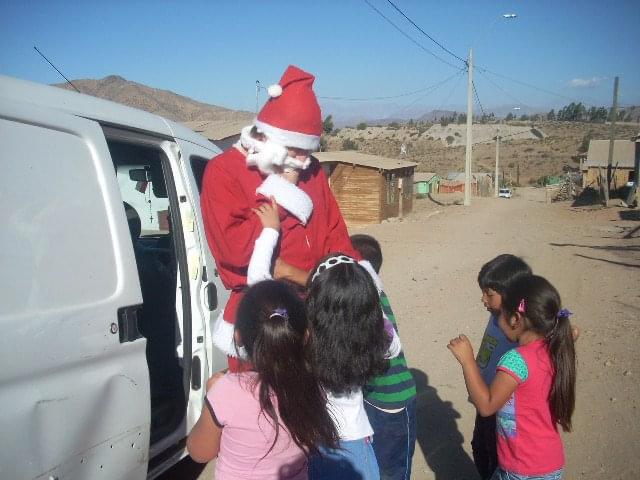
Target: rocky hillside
(545, 153)
(161, 102)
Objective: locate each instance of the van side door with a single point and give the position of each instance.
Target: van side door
(74, 386)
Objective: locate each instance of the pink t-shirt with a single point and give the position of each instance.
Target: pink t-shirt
(527, 438)
(248, 434)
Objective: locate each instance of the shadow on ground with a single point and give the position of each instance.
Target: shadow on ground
(438, 435)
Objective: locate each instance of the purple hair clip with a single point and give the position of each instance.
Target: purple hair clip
(564, 313)
(521, 307)
(280, 312)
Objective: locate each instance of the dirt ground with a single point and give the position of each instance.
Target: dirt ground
(592, 255)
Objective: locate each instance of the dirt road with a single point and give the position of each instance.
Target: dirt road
(431, 261)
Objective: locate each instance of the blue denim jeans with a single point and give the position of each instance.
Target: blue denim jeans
(501, 474)
(354, 460)
(394, 440)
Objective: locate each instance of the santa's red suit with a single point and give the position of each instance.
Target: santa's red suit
(228, 197)
(234, 183)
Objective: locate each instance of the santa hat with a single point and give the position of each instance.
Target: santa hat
(291, 117)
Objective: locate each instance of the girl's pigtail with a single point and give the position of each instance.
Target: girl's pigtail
(562, 397)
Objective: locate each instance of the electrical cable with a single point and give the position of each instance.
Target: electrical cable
(436, 87)
(406, 94)
(475, 92)
(426, 34)
(409, 37)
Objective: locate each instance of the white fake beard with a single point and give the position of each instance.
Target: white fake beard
(268, 157)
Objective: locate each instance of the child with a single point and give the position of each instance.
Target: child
(534, 388)
(494, 279)
(264, 423)
(389, 399)
(346, 346)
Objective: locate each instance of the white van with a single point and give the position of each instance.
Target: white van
(108, 287)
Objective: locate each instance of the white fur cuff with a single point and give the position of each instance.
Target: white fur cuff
(288, 196)
(222, 337)
(374, 276)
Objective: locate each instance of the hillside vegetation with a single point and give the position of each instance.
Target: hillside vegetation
(535, 156)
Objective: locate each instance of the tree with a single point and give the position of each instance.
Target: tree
(361, 126)
(510, 116)
(348, 144)
(462, 118)
(524, 116)
(551, 115)
(327, 125)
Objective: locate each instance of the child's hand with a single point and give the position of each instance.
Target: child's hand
(461, 349)
(268, 214)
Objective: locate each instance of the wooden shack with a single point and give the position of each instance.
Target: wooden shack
(623, 162)
(369, 188)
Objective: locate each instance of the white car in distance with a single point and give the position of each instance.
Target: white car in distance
(505, 193)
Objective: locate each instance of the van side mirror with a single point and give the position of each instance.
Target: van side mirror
(140, 174)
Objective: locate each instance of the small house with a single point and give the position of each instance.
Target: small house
(223, 133)
(481, 183)
(622, 165)
(369, 188)
(425, 183)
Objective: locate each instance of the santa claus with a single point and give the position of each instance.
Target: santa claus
(272, 159)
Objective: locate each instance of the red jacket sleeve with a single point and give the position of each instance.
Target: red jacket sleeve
(231, 226)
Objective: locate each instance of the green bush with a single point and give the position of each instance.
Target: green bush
(450, 140)
(361, 126)
(348, 144)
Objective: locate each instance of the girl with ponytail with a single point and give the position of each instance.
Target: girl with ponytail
(534, 388)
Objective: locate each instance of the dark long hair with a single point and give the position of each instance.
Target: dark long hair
(541, 308)
(347, 342)
(273, 328)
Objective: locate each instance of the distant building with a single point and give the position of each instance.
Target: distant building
(622, 165)
(369, 188)
(481, 183)
(425, 183)
(222, 133)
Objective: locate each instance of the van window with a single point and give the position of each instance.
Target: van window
(143, 179)
(52, 211)
(198, 165)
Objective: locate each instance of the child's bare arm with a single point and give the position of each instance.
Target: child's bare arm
(203, 442)
(487, 399)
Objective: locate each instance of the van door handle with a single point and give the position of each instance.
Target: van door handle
(211, 294)
(128, 323)
(196, 376)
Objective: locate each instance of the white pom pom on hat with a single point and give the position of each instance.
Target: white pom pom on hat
(274, 90)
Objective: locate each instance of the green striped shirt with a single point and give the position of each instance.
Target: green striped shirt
(394, 388)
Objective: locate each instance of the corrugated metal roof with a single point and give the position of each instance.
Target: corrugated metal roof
(363, 159)
(423, 176)
(217, 130)
(624, 152)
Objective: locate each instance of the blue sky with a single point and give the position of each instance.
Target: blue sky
(215, 51)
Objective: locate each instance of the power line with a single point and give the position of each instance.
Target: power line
(426, 34)
(436, 87)
(451, 92)
(68, 81)
(409, 37)
(475, 92)
(504, 91)
(388, 97)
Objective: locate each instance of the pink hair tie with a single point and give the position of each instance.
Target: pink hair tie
(521, 307)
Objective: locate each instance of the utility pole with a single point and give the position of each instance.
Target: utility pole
(257, 93)
(496, 179)
(612, 136)
(467, 157)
